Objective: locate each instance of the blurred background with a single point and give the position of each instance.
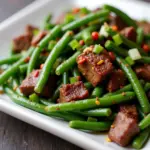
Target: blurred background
(15, 134)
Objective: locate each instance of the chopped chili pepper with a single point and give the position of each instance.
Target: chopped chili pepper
(112, 56)
(95, 35)
(27, 59)
(36, 73)
(115, 28)
(81, 42)
(75, 10)
(146, 47)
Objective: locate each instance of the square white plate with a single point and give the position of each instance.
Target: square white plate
(33, 14)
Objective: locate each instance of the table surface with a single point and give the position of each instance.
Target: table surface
(15, 134)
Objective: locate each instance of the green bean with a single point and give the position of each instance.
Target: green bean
(140, 112)
(147, 86)
(140, 93)
(23, 101)
(56, 93)
(93, 126)
(76, 72)
(145, 60)
(99, 112)
(10, 60)
(145, 122)
(23, 68)
(32, 63)
(51, 59)
(127, 42)
(14, 68)
(91, 119)
(78, 36)
(97, 92)
(147, 37)
(92, 103)
(45, 102)
(65, 78)
(140, 36)
(109, 45)
(68, 64)
(82, 21)
(132, 44)
(128, 20)
(124, 89)
(88, 85)
(141, 139)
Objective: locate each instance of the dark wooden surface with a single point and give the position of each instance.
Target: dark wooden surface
(15, 134)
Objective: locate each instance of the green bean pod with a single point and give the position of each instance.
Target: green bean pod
(147, 86)
(51, 59)
(65, 78)
(32, 63)
(92, 126)
(82, 21)
(109, 45)
(141, 139)
(97, 92)
(145, 122)
(67, 64)
(92, 103)
(140, 93)
(23, 68)
(10, 60)
(128, 20)
(23, 101)
(140, 36)
(14, 68)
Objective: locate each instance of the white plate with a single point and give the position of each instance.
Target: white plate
(34, 14)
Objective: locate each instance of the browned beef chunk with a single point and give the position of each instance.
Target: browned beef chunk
(95, 67)
(28, 84)
(117, 21)
(72, 92)
(38, 38)
(117, 80)
(145, 25)
(22, 42)
(30, 30)
(125, 126)
(129, 33)
(143, 71)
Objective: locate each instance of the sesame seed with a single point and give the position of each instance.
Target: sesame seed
(108, 139)
(100, 62)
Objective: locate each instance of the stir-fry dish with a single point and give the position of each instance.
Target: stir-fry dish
(89, 67)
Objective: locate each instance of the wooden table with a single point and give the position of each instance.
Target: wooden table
(15, 134)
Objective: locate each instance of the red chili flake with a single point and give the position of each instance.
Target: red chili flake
(57, 108)
(81, 60)
(36, 74)
(81, 42)
(71, 33)
(113, 102)
(78, 78)
(1, 92)
(41, 66)
(75, 10)
(27, 59)
(95, 35)
(126, 65)
(112, 56)
(146, 48)
(115, 28)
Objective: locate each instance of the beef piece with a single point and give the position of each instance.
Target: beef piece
(29, 83)
(21, 43)
(117, 21)
(30, 30)
(38, 38)
(72, 92)
(145, 25)
(129, 33)
(95, 67)
(125, 126)
(143, 71)
(117, 80)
